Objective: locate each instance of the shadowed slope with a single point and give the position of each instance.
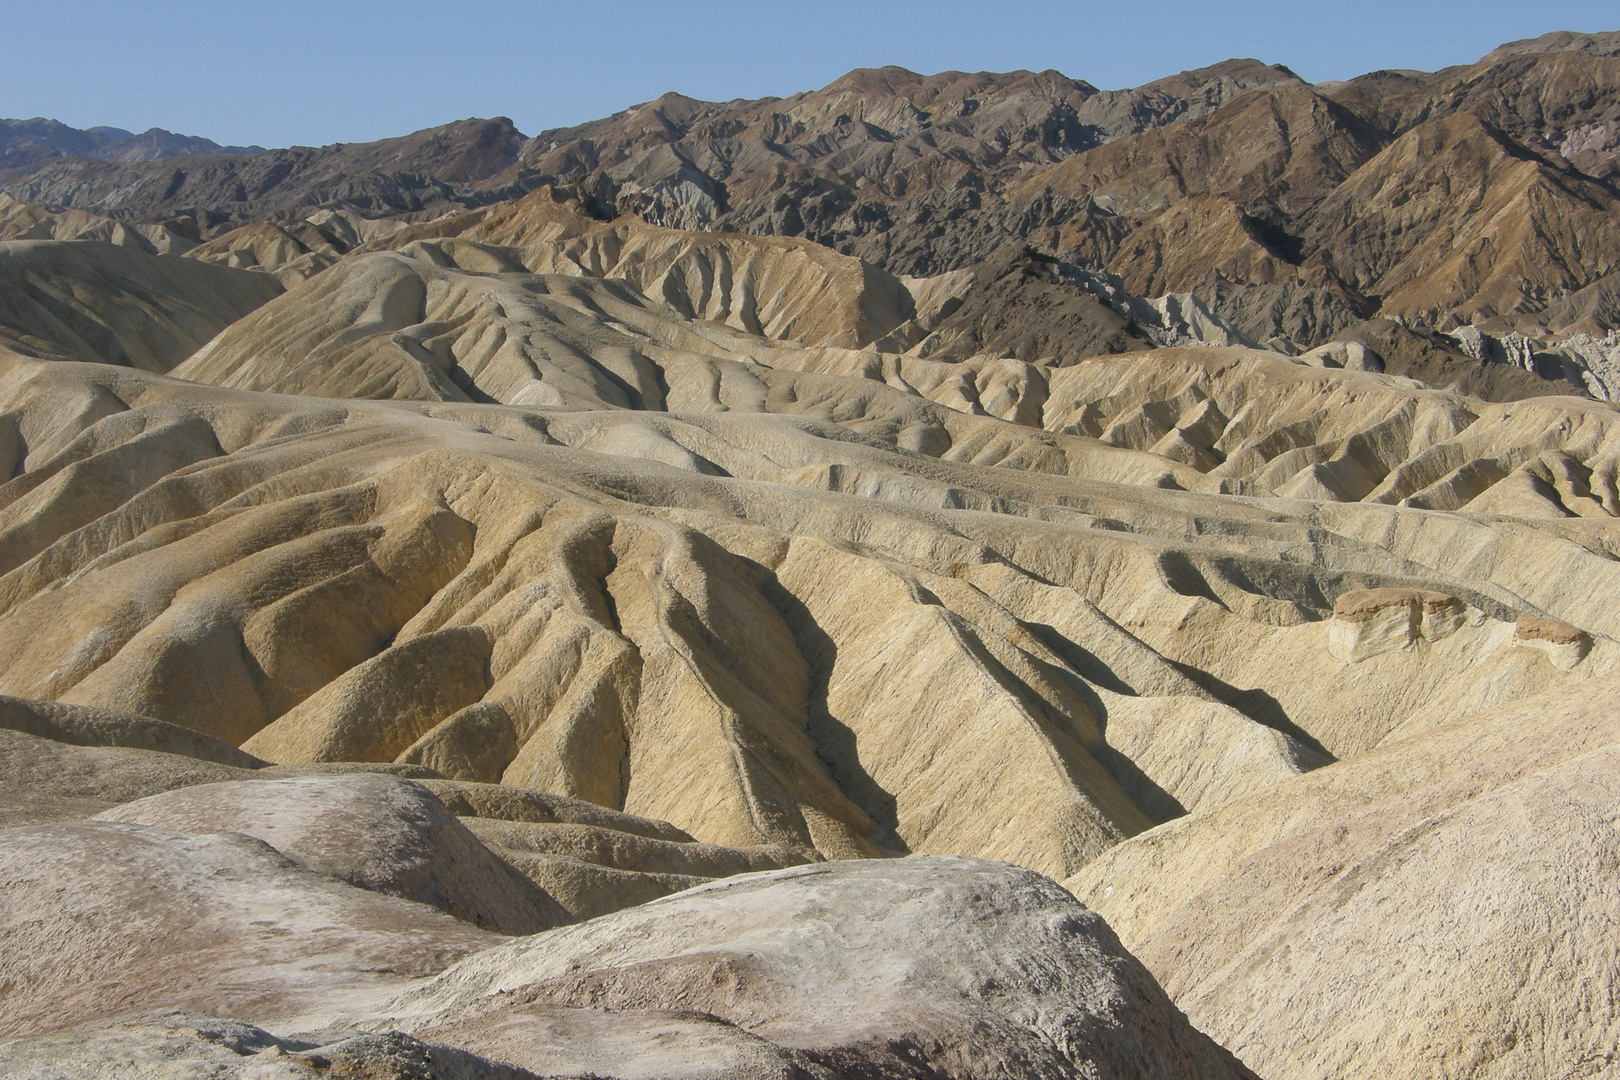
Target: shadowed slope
(116, 304)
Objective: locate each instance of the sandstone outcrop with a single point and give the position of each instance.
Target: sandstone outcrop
(1564, 644)
(1367, 622)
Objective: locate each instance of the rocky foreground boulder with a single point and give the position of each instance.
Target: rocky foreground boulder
(915, 967)
(940, 967)
(101, 919)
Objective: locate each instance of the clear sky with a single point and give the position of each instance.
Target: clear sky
(280, 72)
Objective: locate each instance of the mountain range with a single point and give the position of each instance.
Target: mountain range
(1294, 211)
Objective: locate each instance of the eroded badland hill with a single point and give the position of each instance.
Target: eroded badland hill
(938, 576)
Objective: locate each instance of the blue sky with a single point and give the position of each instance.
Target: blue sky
(279, 72)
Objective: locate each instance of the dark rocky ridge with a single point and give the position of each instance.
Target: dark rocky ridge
(1294, 212)
(30, 141)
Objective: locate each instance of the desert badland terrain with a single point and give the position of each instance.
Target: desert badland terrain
(938, 576)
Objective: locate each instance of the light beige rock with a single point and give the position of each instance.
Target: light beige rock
(1417, 910)
(1352, 355)
(778, 287)
(99, 919)
(373, 831)
(1368, 622)
(1565, 645)
(949, 965)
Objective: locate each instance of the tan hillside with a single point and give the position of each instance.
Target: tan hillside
(1478, 838)
(25, 221)
(112, 304)
(437, 517)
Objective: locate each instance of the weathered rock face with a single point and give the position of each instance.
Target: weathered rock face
(374, 831)
(102, 919)
(1565, 645)
(940, 967)
(892, 968)
(1368, 622)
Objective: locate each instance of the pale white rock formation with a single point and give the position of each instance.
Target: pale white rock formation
(1174, 320)
(1352, 355)
(948, 966)
(1581, 358)
(138, 918)
(43, 780)
(371, 830)
(1565, 645)
(1597, 360)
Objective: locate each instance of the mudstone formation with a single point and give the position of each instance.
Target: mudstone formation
(948, 576)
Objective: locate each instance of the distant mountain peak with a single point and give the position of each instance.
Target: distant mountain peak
(1602, 44)
(40, 137)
